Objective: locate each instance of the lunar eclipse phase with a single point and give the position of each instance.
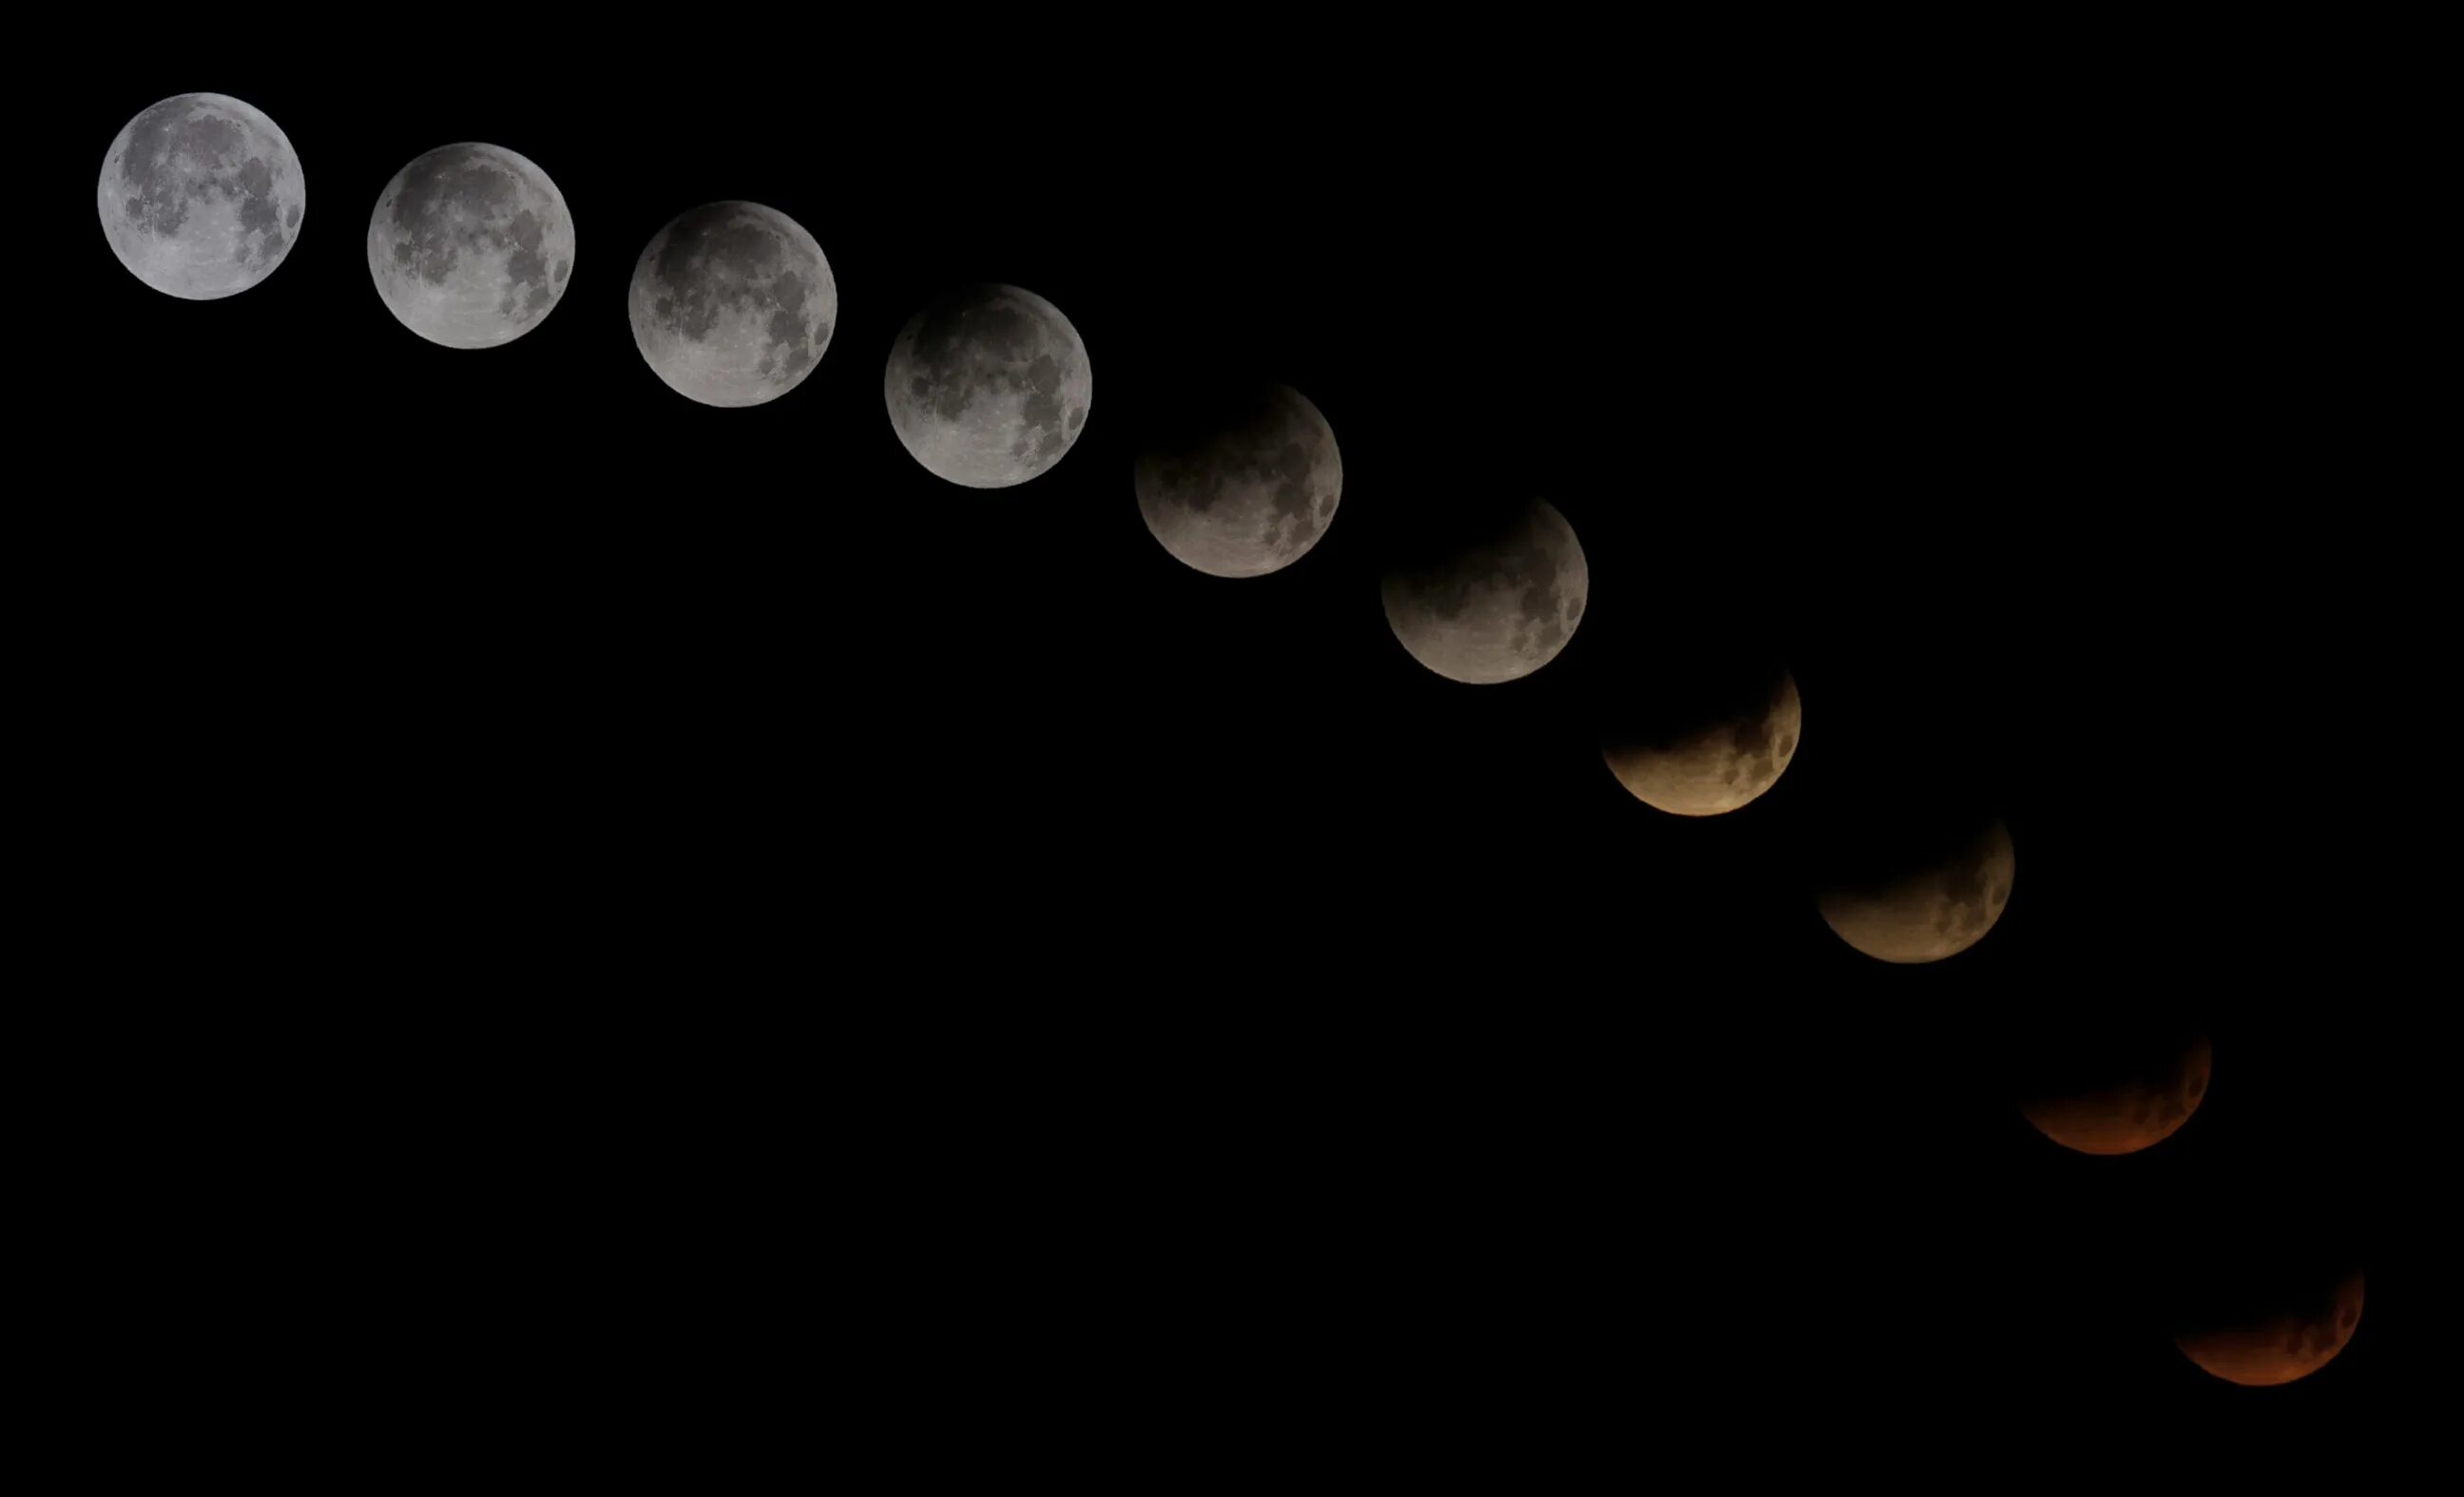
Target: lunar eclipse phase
(470, 245)
(1704, 743)
(201, 196)
(1485, 594)
(1921, 892)
(2114, 1092)
(988, 386)
(733, 304)
(2278, 1341)
(1244, 487)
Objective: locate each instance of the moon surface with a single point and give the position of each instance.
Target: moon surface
(1707, 769)
(733, 304)
(1494, 601)
(2127, 1114)
(470, 245)
(1249, 494)
(201, 196)
(988, 386)
(1936, 910)
(2290, 1343)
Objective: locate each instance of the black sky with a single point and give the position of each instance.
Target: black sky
(660, 886)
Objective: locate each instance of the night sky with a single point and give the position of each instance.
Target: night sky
(596, 882)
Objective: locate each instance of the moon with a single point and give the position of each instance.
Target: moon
(1247, 493)
(2289, 1342)
(1492, 601)
(201, 196)
(988, 386)
(1938, 908)
(1714, 758)
(470, 245)
(733, 304)
(2123, 1113)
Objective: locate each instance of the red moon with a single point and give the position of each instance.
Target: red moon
(2264, 1353)
(2129, 1117)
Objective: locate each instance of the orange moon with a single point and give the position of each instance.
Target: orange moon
(2129, 1117)
(2289, 1345)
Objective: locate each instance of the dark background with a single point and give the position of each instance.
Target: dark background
(607, 904)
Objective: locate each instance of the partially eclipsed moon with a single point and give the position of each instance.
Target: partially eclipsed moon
(2266, 1352)
(201, 196)
(1714, 767)
(470, 245)
(988, 386)
(733, 304)
(1494, 603)
(1250, 494)
(2129, 1115)
(1931, 912)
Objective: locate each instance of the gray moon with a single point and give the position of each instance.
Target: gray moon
(1927, 913)
(1718, 768)
(1250, 496)
(201, 196)
(988, 386)
(733, 304)
(471, 245)
(1497, 606)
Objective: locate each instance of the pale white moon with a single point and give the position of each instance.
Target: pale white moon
(1495, 602)
(1927, 914)
(1250, 495)
(733, 304)
(988, 386)
(470, 245)
(1715, 767)
(201, 196)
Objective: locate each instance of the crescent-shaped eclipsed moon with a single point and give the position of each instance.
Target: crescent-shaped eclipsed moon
(2129, 1115)
(1711, 767)
(1931, 912)
(2280, 1348)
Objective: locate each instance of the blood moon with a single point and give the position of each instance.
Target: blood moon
(2285, 1341)
(2126, 1109)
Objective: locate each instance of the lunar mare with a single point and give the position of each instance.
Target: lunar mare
(201, 196)
(1928, 912)
(470, 245)
(988, 386)
(1249, 495)
(733, 304)
(1494, 604)
(2129, 1116)
(1715, 768)
(2266, 1352)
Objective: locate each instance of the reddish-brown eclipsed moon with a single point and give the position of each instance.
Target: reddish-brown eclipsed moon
(2130, 1115)
(2281, 1348)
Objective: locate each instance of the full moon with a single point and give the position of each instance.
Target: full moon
(733, 304)
(469, 246)
(201, 196)
(1249, 492)
(1492, 601)
(2122, 1113)
(1938, 908)
(2289, 1342)
(1712, 759)
(988, 386)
